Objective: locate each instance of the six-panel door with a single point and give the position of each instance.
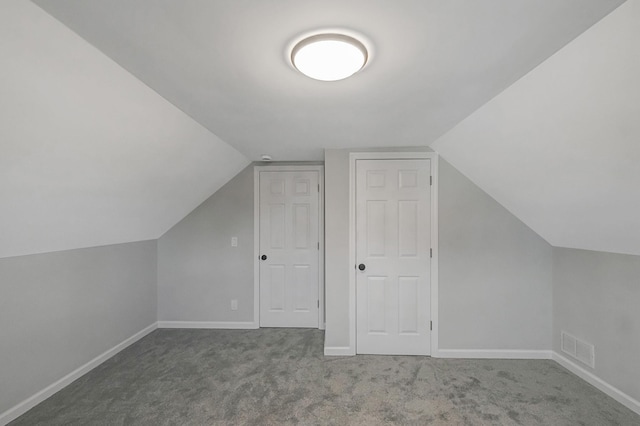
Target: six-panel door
(289, 245)
(393, 210)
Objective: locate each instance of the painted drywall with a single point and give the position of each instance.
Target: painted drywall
(225, 63)
(559, 148)
(199, 272)
(596, 298)
(494, 272)
(90, 155)
(60, 310)
(336, 243)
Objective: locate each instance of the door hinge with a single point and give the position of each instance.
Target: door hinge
(430, 325)
(430, 180)
(430, 252)
(318, 187)
(318, 245)
(318, 304)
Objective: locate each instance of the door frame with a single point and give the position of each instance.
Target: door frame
(256, 234)
(409, 155)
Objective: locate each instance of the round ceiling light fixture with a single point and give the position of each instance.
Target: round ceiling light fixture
(329, 57)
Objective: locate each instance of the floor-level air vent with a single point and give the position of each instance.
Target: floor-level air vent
(578, 349)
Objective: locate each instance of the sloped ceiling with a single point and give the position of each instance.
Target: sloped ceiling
(561, 147)
(99, 149)
(225, 62)
(89, 155)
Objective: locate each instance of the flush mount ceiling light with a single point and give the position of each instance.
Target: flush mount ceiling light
(329, 57)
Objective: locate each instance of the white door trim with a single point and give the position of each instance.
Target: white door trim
(256, 235)
(352, 237)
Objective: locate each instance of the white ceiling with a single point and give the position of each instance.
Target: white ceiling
(561, 147)
(224, 63)
(89, 155)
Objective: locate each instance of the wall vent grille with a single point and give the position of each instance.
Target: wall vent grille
(578, 349)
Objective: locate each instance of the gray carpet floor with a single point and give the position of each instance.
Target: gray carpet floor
(280, 376)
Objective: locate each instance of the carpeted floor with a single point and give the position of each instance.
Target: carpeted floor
(280, 376)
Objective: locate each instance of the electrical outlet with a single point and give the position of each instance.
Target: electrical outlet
(234, 304)
(234, 241)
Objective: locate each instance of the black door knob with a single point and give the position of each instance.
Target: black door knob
(361, 266)
(263, 257)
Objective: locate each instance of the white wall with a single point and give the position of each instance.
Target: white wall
(60, 310)
(596, 298)
(495, 273)
(89, 154)
(199, 273)
(336, 234)
(559, 148)
(198, 270)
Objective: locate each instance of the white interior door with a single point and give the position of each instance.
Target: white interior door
(393, 226)
(289, 248)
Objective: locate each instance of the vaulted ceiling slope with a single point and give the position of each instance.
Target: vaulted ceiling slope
(561, 147)
(89, 155)
(225, 62)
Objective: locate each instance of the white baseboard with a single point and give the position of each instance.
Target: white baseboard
(493, 354)
(597, 382)
(24, 406)
(208, 324)
(338, 351)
